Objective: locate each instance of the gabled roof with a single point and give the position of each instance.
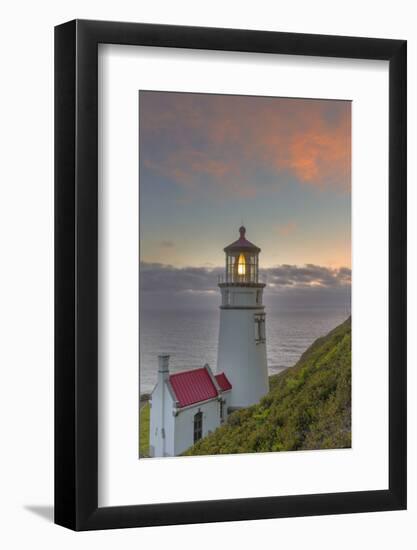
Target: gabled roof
(195, 386)
(223, 382)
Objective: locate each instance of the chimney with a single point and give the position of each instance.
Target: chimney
(163, 376)
(163, 367)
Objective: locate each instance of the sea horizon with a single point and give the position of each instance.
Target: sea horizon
(190, 337)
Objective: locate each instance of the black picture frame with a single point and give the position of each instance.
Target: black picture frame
(76, 272)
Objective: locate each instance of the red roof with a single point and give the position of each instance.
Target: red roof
(223, 382)
(196, 385)
(242, 242)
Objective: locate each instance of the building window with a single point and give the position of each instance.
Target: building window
(260, 328)
(221, 410)
(198, 426)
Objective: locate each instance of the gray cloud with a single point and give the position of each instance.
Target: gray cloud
(307, 276)
(156, 277)
(160, 277)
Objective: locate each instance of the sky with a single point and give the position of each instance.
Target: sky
(280, 166)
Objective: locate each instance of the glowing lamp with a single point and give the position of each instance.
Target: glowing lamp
(241, 265)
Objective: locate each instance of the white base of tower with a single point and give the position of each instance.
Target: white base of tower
(242, 354)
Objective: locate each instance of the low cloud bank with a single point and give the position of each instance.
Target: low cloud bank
(165, 286)
(157, 277)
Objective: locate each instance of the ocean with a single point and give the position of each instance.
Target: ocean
(191, 336)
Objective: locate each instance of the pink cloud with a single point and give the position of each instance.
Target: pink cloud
(286, 229)
(227, 140)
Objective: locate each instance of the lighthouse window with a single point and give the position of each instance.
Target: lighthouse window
(198, 426)
(229, 269)
(260, 328)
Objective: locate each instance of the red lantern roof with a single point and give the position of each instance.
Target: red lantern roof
(196, 385)
(242, 243)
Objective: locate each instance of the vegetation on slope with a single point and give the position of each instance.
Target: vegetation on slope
(144, 421)
(308, 406)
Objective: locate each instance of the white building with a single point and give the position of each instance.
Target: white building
(188, 405)
(185, 407)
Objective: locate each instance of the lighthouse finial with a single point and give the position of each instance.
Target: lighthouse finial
(242, 231)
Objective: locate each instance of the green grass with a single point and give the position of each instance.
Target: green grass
(144, 418)
(308, 406)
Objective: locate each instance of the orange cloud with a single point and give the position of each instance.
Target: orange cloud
(286, 229)
(224, 142)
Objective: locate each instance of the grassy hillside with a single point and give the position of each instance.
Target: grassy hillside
(307, 407)
(144, 430)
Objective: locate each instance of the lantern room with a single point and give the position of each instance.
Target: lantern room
(242, 260)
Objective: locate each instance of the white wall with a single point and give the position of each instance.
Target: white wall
(26, 203)
(179, 429)
(161, 417)
(242, 359)
(184, 424)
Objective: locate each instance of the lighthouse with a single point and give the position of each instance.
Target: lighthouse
(242, 338)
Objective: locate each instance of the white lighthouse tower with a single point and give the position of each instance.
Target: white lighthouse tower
(242, 344)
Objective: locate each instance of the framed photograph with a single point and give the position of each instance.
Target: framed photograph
(230, 284)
